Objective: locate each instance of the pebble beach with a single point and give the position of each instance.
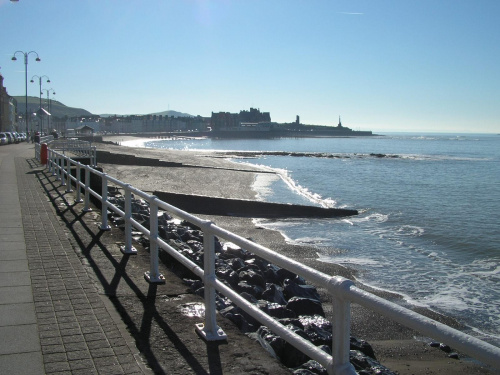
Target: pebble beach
(202, 173)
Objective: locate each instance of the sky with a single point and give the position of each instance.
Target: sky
(418, 66)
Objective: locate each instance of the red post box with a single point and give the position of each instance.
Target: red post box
(43, 153)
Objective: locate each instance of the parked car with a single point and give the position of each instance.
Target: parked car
(3, 139)
(10, 137)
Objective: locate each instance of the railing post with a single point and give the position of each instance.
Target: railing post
(58, 168)
(87, 208)
(341, 339)
(209, 330)
(63, 161)
(68, 175)
(153, 276)
(49, 165)
(78, 182)
(104, 203)
(128, 248)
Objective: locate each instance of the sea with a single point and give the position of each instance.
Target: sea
(428, 226)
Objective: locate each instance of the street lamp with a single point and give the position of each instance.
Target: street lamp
(40, 84)
(26, 54)
(48, 105)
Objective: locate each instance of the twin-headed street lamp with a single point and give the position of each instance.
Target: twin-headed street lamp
(40, 84)
(49, 109)
(26, 54)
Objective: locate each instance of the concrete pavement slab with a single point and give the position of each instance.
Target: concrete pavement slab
(17, 314)
(16, 294)
(14, 279)
(18, 265)
(19, 339)
(22, 364)
(12, 254)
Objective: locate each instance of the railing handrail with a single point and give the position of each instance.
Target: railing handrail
(341, 289)
(75, 146)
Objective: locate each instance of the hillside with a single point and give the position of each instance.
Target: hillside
(60, 110)
(164, 113)
(57, 108)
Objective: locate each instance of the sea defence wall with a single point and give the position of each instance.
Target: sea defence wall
(198, 204)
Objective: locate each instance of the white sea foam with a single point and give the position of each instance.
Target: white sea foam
(262, 185)
(139, 142)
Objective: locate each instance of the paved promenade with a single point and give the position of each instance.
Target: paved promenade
(52, 319)
(71, 303)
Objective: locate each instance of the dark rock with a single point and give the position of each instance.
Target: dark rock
(236, 264)
(258, 262)
(194, 285)
(269, 341)
(232, 250)
(274, 293)
(317, 321)
(445, 348)
(453, 355)
(292, 321)
(227, 273)
(197, 246)
(292, 357)
(271, 274)
(250, 298)
(189, 225)
(192, 235)
(362, 346)
(254, 290)
(284, 274)
(252, 278)
(305, 306)
(200, 292)
(279, 311)
(292, 289)
(250, 267)
(318, 336)
(310, 367)
(362, 362)
(167, 233)
(434, 344)
(239, 318)
(299, 280)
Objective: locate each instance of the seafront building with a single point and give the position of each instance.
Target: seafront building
(8, 106)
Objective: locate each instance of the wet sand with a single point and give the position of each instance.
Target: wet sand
(203, 173)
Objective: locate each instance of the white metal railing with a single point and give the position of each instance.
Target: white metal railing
(75, 147)
(342, 290)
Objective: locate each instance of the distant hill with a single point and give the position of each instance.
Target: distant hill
(164, 113)
(57, 108)
(60, 110)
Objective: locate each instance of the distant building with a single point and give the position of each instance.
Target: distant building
(340, 124)
(226, 120)
(84, 130)
(254, 116)
(8, 110)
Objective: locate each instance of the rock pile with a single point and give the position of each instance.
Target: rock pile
(278, 292)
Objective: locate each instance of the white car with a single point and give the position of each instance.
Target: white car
(3, 139)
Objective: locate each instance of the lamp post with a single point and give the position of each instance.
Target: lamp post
(48, 105)
(26, 54)
(40, 84)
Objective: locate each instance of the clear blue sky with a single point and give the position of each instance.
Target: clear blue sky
(427, 65)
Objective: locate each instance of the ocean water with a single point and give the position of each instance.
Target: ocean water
(429, 222)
